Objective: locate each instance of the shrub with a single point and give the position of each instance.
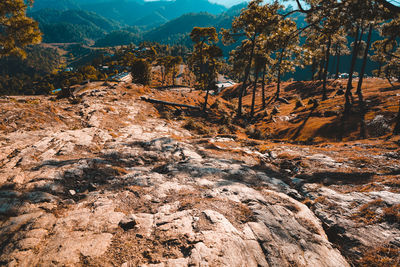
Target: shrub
(197, 126)
(378, 126)
(224, 130)
(392, 214)
(381, 256)
(255, 133)
(140, 70)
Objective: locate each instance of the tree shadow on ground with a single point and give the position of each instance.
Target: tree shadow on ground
(55, 163)
(338, 178)
(301, 127)
(392, 88)
(308, 89)
(166, 87)
(339, 128)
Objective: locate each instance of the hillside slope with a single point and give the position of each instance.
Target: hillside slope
(72, 25)
(105, 181)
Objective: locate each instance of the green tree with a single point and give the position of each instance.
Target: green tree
(16, 29)
(175, 61)
(285, 44)
(203, 60)
(140, 70)
(202, 39)
(255, 20)
(339, 49)
(89, 72)
(162, 62)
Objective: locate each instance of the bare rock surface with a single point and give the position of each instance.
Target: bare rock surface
(128, 189)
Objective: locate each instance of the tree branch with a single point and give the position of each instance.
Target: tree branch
(392, 8)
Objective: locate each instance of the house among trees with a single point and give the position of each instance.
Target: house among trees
(122, 77)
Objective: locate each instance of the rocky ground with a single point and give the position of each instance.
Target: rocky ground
(104, 181)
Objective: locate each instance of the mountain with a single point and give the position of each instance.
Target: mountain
(60, 26)
(52, 4)
(152, 20)
(115, 38)
(72, 25)
(134, 12)
(177, 30)
(183, 25)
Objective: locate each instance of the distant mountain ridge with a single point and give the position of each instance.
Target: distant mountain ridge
(80, 25)
(177, 30)
(134, 12)
(72, 25)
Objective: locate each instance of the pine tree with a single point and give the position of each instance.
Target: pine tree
(140, 70)
(16, 29)
(253, 21)
(204, 59)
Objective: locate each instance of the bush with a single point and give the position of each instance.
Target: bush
(197, 127)
(378, 126)
(140, 70)
(392, 214)
(255, 133)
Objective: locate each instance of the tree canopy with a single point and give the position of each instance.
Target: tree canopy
(16, 29)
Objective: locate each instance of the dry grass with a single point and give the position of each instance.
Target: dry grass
(198, 127)
(392, 214)
(378, 211)
(384, 256)
(322, 123)
(368, 214)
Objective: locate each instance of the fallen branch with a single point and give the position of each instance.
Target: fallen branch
(155, 101)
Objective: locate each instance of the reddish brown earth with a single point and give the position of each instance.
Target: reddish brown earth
(109, 180)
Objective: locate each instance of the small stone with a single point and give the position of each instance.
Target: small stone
(128, 222)
(68, 202)
(273, 155)
(72, 192)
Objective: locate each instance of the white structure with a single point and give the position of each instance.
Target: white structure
(122, 77)
(223, 82)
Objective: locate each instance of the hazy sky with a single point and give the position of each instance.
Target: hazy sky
(234, 2)
(227, 2)
(230, 3)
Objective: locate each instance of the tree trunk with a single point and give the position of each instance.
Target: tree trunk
(253, 99)
(173, 77)
(327, 55)
(363, 130)
(202, 64)
(321, 69)
(278, 84)
(209, 85)
(313, 68)
(263, 87)
(246, 76)
(364, 63)
(337, 62)
(379, 69)
(206, 99)
(352, 65)
(396, 129)
(163, 75)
